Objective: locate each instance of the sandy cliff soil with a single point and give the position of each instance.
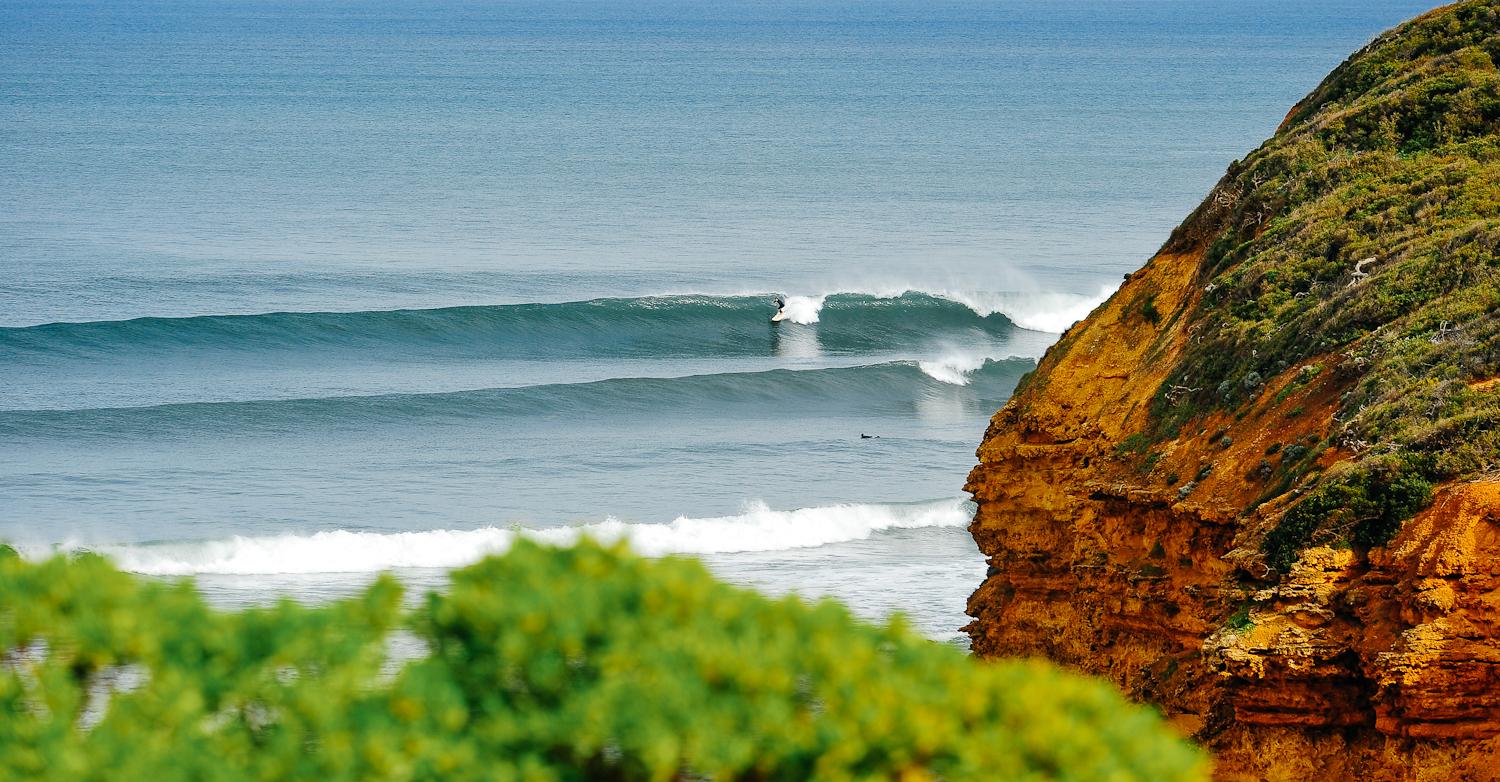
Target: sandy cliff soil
(1126, 511)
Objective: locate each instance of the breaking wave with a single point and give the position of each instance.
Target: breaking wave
(758, 528)
(653, 326)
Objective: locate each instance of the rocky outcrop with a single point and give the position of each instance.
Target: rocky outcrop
(1193, 494)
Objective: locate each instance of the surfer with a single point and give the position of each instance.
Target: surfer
(780, 310)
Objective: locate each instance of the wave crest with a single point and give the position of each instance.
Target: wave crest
(1050, 312)
(679, 325)
(766, 393)
(758, 528)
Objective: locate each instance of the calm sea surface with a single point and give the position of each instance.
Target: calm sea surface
(294, 292)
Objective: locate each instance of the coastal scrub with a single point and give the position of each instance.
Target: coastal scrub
(543, 664)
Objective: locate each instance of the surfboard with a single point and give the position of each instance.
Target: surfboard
(779, 316)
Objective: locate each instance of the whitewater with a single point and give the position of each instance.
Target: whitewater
(757, 528)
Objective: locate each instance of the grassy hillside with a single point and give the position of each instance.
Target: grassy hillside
(1362, 240)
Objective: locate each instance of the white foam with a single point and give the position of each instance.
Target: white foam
(1052, 312)
(955, 367)
(758, 528)
(804, 309)
(1047, 311)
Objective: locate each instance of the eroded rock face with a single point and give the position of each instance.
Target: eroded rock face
(1138, 551)
(1377, 665)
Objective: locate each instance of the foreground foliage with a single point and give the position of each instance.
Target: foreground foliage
(544, 664)
(1363, 238)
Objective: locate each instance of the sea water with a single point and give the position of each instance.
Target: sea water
(296, 291)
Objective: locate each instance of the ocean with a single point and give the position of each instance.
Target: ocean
(297, 291)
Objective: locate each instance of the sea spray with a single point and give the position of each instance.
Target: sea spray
(1046, 311)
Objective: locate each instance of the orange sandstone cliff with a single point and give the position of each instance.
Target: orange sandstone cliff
(1258, 487)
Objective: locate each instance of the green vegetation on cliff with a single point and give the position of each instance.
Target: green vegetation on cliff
(545, 664)
(1364, 238)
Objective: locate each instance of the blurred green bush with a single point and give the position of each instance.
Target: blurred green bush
(586, 663)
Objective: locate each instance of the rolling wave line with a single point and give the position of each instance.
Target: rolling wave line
(661, 326)
(833, 390)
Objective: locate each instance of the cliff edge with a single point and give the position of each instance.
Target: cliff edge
(1260, 486)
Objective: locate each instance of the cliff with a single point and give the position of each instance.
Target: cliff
(1260, 486)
